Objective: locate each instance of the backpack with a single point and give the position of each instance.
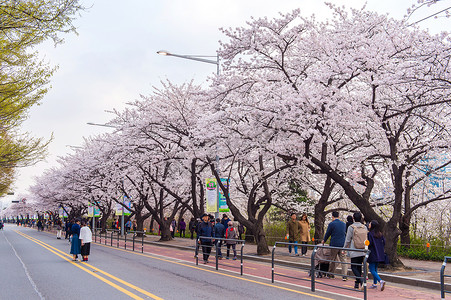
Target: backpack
(359, 236)
(231, 234)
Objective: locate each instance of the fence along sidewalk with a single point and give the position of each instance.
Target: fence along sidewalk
(313, 272)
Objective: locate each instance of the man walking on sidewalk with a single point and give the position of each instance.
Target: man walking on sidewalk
(355, 238)
(205, 229)
(336, 230)
(293, 233)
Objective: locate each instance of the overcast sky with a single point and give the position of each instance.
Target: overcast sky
(113, 58)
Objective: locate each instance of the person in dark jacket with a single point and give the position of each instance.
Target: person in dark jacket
(349, 222)
(336, 230)
(377, 254)
(205, 229)
(225, 221)
(192, 227)
(182, 227)
(219, 232)
(76, 244)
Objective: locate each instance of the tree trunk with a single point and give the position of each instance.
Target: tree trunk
(391, 234)
(404, 226)
(249, 236)
(165, 231)
(262, 244)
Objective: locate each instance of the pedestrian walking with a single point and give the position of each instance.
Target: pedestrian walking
(231, 235)
(182, 227)
(225, 220)
(304, 233)
(59, 228)
(135, 225)
(128, 226)
(355, 238)
(377, 254)
(85, 240)
(349, 222)
(67, 228)
(293, 233)
(240, 231)
(1, 225)
(173, 228)
(336, 230)
(219, 232)
(75, 245)
(192, 227)
(205, 229)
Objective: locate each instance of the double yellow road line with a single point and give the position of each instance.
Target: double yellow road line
(91, 269)
(81, 266)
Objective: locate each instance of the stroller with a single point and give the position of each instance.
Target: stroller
(321, 263)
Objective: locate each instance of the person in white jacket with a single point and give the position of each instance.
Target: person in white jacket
(85, 239)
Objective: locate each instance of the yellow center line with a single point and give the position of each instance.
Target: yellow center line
(55, 250)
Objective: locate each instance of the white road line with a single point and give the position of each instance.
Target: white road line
(25, 269)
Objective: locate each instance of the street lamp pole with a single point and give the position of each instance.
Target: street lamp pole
(201, 58)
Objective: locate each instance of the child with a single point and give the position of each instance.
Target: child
(231, 235)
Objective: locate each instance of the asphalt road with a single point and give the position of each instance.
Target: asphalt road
(35, 265)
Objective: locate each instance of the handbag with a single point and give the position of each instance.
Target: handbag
(386, 259)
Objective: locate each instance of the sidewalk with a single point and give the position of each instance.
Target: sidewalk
(421, 273)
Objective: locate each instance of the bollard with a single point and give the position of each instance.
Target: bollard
(427, 247)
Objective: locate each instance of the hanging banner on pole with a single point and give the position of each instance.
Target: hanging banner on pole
(127, 202)
(61, 212)
(211, 194)
(119, 209)
(222, 199)
(90, 210)
(96, 212)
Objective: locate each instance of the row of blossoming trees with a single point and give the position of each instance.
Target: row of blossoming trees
(348, 109)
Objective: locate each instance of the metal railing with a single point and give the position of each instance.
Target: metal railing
(443, 291)
(217, 249)
(314, 261)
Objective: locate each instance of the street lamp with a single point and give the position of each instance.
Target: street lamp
(194, 57)
(103, 125)
(209, 61)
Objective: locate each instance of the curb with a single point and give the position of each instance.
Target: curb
(434, 285)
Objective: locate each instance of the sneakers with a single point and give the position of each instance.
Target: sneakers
(234, 258)
(296, 254)
(345, 279)
(382, 285)
(373, 286)
(227, 257)
(205, 262)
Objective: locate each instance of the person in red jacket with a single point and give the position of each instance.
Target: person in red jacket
(231, 236)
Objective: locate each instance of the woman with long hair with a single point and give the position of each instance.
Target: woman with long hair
(305, 232)
(377, 254)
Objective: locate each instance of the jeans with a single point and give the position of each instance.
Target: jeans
(356, 268)
(295, 248)
(233, 248)
(373, 270)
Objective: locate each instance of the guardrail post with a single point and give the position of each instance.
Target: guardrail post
(196, 251)
(142, 242)
(312, 268)
(118, 239)
(272, 262)
(134, 236)
(125, 240)
(365, 271)
(111, 238)
(442, 277)
(242, 246)
(216, 254)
